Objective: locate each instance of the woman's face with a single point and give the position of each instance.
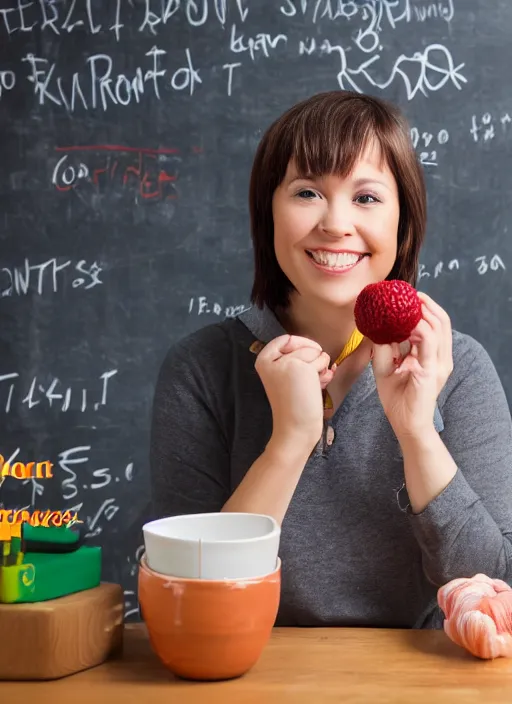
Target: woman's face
(332, 235)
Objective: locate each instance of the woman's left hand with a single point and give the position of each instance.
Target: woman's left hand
(408, 387)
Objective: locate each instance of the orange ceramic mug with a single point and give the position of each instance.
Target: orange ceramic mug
(208, 629)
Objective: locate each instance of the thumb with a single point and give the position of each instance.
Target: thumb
(386, 358)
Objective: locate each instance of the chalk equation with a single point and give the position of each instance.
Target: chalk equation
(425, 72)
(49, 392)
(152, 16)
(201, 306)
(94, 479)
(67, 16)
(427, 144)
(394, 10)
(48, 276)
(150, 173)
(364, 60)
(487, 126)
(101, 85)
(77, 472)
(101, 517)
(481, 265)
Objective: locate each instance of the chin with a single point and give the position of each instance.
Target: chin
(317, 300)
(345, 296)
(340, 302)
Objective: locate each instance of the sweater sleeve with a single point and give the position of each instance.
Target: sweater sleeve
(189, 458)
(467, 528)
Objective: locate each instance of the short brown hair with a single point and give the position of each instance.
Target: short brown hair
(326, 134)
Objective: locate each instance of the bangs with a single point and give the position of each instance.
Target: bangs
(324, 142)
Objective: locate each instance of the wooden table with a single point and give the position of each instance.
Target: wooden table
(298, 666)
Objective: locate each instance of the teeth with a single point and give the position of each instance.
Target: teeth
(336, 261)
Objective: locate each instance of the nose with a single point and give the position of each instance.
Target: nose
(336, 221)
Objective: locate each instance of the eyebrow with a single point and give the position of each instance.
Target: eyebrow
(303, 177)
(364, 181)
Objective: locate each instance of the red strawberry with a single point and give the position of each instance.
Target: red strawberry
(387, 311)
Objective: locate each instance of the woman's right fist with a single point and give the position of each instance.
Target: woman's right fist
(294, 370)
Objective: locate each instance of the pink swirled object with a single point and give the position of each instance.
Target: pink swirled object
(478, 615)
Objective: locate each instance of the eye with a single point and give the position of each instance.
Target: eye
(368, 198)
(306, 194)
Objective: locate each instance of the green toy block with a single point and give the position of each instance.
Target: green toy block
(43, 576)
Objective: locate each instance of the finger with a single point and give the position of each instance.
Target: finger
(321, 364)
(434, 307)
(305, 354)
(326, 378)
(425, 339)
(284, 344)
(443, 316)
(437, 327)
(432, 320)
(410, 365)
(297, 342)
(382, 362)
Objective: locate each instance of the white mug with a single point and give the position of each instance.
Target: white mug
(213, 545)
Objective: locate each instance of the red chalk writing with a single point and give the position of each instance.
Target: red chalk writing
(151, 173)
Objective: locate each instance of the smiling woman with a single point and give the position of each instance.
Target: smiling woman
(337, 225)
(402, 482)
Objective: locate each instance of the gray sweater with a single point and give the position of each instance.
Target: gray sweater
(353, 554)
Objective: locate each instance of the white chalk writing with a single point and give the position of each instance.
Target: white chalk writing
(424, 141)
(230, 68)
(263, 43)
(48, 276)
(362, 62)
(7, 81)
(201, 306)
(77, 473)
(394, 10)
(45, 391)
(486, 127)
(102, 87)
(422, 72)
(481, 265)
(131, 602)
(434, 10)
(72, 485)
(426, 71)
(62, 18)
(196, 12)
(134, 562)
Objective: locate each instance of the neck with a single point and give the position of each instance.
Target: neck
(330, 326)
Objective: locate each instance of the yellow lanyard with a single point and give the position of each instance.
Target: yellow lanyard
(353, 343)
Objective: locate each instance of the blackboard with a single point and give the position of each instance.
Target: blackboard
(128, 131)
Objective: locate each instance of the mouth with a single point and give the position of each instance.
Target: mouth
(335, 262)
